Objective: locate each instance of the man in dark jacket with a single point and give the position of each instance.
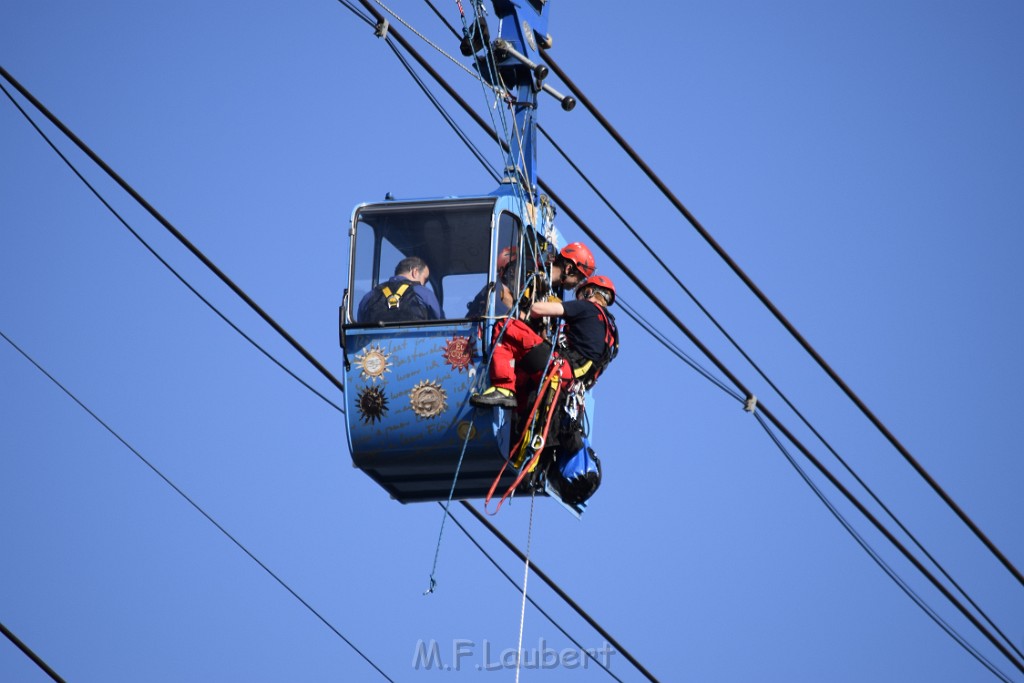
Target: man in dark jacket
(404, 297)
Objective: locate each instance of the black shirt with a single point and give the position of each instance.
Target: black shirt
(585, 329)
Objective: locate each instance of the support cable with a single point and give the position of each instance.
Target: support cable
(461, 134)
(170, 228)
(862, 542)
(778, 424)
(782, 395)
(782, 319)
(673, 349)
(30, 654)
(440, 16)
(354, 10)
(161, 259)
(432, 44)
(196, 506)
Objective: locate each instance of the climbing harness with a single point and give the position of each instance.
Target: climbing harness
(534, 437)
(394, 298)
(401, 304)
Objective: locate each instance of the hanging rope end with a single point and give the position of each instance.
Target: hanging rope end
(431, 587)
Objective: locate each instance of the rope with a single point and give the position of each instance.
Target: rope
(447, 504)
(526, 577)
(522, 446)
(458, 467)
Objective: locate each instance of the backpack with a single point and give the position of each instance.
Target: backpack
(577, 473)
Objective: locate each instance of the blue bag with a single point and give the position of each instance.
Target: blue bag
(579, 473)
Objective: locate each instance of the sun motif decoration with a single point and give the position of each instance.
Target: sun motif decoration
(428, 399)
(372, 404)
(373, 363)
(466, 431)
(458, 353)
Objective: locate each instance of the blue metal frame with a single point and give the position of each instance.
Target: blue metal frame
(522, 25)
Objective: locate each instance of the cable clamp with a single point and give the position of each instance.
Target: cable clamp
(381, 29)
(750, 405)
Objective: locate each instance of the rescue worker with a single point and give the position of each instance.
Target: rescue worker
(591, 341)
(404, 297)
(571, 266)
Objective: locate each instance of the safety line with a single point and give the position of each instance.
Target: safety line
(490, 59)
(561, 593)
(784, 321)
(458, 467)
(526, 578)
(456, 522)
(451, 493)
(195, 505)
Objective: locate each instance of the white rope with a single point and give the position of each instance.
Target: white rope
(526, 576)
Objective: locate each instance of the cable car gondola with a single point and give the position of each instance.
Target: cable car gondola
(408, 379)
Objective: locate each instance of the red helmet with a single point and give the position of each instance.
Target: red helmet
(579, 255)
(598, 281)
(505, 257)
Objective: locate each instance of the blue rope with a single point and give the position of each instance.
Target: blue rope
(451, 493)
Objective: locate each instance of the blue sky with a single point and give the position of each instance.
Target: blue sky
(862, 163)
